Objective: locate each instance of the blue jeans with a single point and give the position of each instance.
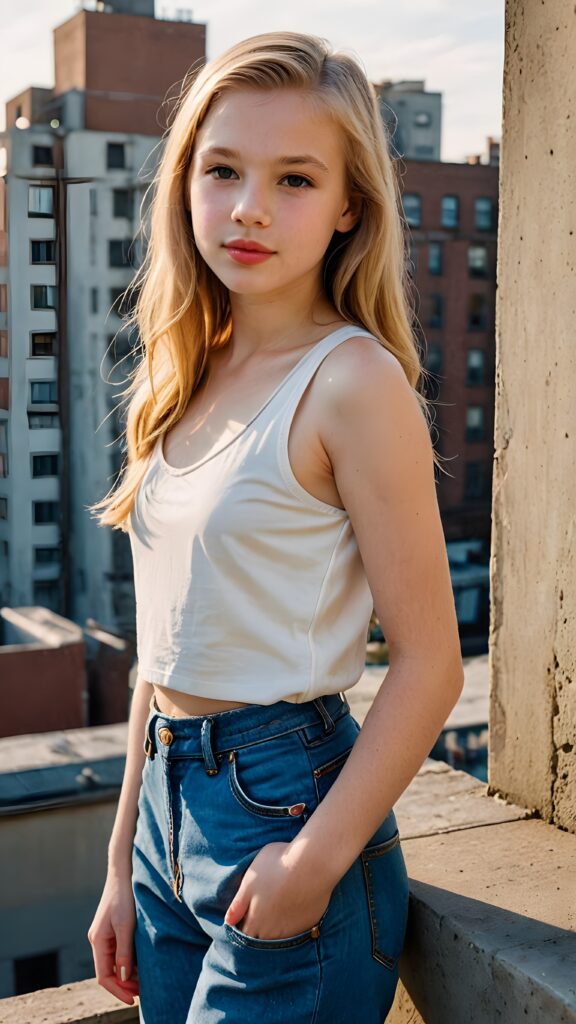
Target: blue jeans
(215, 790)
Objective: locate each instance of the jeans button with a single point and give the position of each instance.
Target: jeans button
(165, 736)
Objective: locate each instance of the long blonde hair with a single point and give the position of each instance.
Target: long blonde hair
(182, 309)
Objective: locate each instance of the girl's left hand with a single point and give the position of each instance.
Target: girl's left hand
(276, 900)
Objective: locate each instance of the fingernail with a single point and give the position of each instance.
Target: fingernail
(123, 972)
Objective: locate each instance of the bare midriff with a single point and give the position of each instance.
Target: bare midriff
(176, 704)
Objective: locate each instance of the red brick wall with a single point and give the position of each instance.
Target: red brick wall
(142, 58)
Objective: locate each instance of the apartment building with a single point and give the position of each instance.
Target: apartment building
(79, 159)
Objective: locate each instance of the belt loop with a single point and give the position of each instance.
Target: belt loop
(325, 715)
(207, 752)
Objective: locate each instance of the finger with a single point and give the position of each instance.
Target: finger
(124, 954)
(105, 965)
(237, 909)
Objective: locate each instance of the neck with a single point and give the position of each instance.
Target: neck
(278, 320)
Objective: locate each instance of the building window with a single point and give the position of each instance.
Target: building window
(3, 298)
(93, 202)
(43, 343)
(115, 156)
(47, 556)
(475, 367)
(116, 295)
(40, 201)
(45, 511)
(43, 392)
(3, 508)
(119, 252)
(94, 300)
(477, 261)
(433, 359)
(43, 296)
(422, 119)
(435, 258)
(45, 465)
(477, 480)
(435, 315)
(42, 250)
(450, 211)
(412, 204)
(475, 430)
(42, 156)
(122, 202)
(483, 214)
(3, 344)
(477, 313)
(412, 263)
(42, 420)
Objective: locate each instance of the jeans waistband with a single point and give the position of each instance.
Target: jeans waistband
(223, 731)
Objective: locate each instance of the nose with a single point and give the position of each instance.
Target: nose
(251, 206)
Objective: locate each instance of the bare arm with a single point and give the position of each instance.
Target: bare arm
(120, 846)
(379, 446)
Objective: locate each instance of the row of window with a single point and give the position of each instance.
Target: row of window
(42, 512)
(477, 259)
(42, 343)
(41, 201)
(484, 211)
(476, 365)
(43, 156)
(42, 465)
(45, 296)
(431, 312)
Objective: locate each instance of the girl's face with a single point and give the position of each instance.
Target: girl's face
(268, 168)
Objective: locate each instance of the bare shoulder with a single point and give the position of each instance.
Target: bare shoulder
(364, 392)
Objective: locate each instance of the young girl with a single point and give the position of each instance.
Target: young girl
(280, 484)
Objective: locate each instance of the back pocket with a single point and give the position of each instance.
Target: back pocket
(387, 893)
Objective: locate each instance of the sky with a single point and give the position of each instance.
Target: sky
(457, 48)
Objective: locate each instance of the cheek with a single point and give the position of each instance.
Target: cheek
(207, 211)
(309, 228)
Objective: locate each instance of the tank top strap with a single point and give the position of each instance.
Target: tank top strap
(306, 369)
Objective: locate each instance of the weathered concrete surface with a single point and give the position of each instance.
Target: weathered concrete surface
(82, 1002)
(492, 927)
(532, 755)
(441, 799)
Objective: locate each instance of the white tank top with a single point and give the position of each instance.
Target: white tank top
(248, 588)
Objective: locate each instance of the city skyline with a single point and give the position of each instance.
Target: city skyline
(458, 52)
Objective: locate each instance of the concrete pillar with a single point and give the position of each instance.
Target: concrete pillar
(532, 659)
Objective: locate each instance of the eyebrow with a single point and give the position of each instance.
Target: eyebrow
(285, 161)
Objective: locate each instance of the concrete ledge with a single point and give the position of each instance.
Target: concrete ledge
(492, 927)
(82, 1002)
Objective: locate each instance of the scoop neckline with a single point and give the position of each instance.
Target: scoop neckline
(181, 471)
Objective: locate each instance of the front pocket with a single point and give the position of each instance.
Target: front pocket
(298, 809)
(288, 942)
(387, 892)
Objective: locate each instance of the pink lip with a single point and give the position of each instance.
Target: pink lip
(248, 257)
(241, 243)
